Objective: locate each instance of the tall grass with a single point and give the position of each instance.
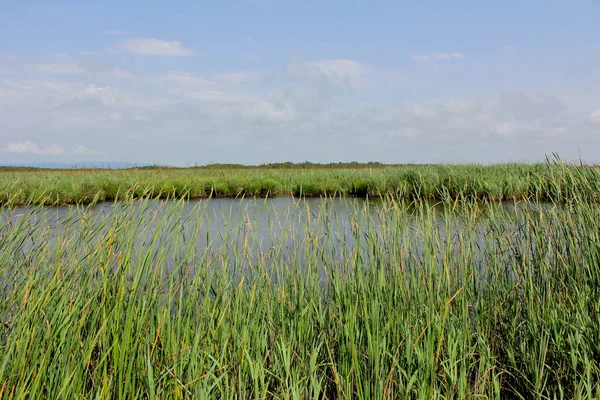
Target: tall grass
(390, 300)
(550, 181)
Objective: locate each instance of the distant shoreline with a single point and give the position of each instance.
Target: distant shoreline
(549, 182)
(109, 165)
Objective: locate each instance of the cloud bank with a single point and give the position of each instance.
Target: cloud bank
(319, 110)
(156, 47)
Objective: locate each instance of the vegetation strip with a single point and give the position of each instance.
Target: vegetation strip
(550, 181)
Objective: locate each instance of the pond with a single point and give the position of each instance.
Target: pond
(277, 234)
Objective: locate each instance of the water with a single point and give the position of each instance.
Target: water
(281, 232)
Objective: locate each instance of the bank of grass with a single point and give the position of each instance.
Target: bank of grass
(549, 181)
(467, 300)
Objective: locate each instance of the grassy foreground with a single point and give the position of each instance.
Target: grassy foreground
(475, 300)
(554, 181)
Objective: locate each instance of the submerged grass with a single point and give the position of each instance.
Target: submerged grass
(550, 181)
(462, 300)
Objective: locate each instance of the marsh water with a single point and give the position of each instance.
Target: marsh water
(292, 233)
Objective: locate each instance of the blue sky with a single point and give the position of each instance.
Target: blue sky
(255, 81)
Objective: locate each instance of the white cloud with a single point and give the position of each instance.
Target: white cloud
(332, 73)
(461, 106)
(420, 57)
(216, 89)
(183, 79)
(437, 56)
(342, 67)
(421, 111)
(209, 90)
(509, 128)
(35, 94)
(532, 129)
(56, 69)
(82, 150)
(94, 65)
(93, 89)
(58, 56)
(449, 56)
(216, 96)
(236, 77)
(268, 113)
(156, 47)
(121, 74)
(595, 117)
(28, 147)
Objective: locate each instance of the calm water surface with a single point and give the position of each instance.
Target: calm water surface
(283, 230)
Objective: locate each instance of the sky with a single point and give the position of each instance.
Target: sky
(259, 81)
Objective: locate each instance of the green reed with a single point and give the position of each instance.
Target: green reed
(389, 300)
(553, 180)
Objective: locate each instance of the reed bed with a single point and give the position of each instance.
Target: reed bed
(550, 181)
(388, 300)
